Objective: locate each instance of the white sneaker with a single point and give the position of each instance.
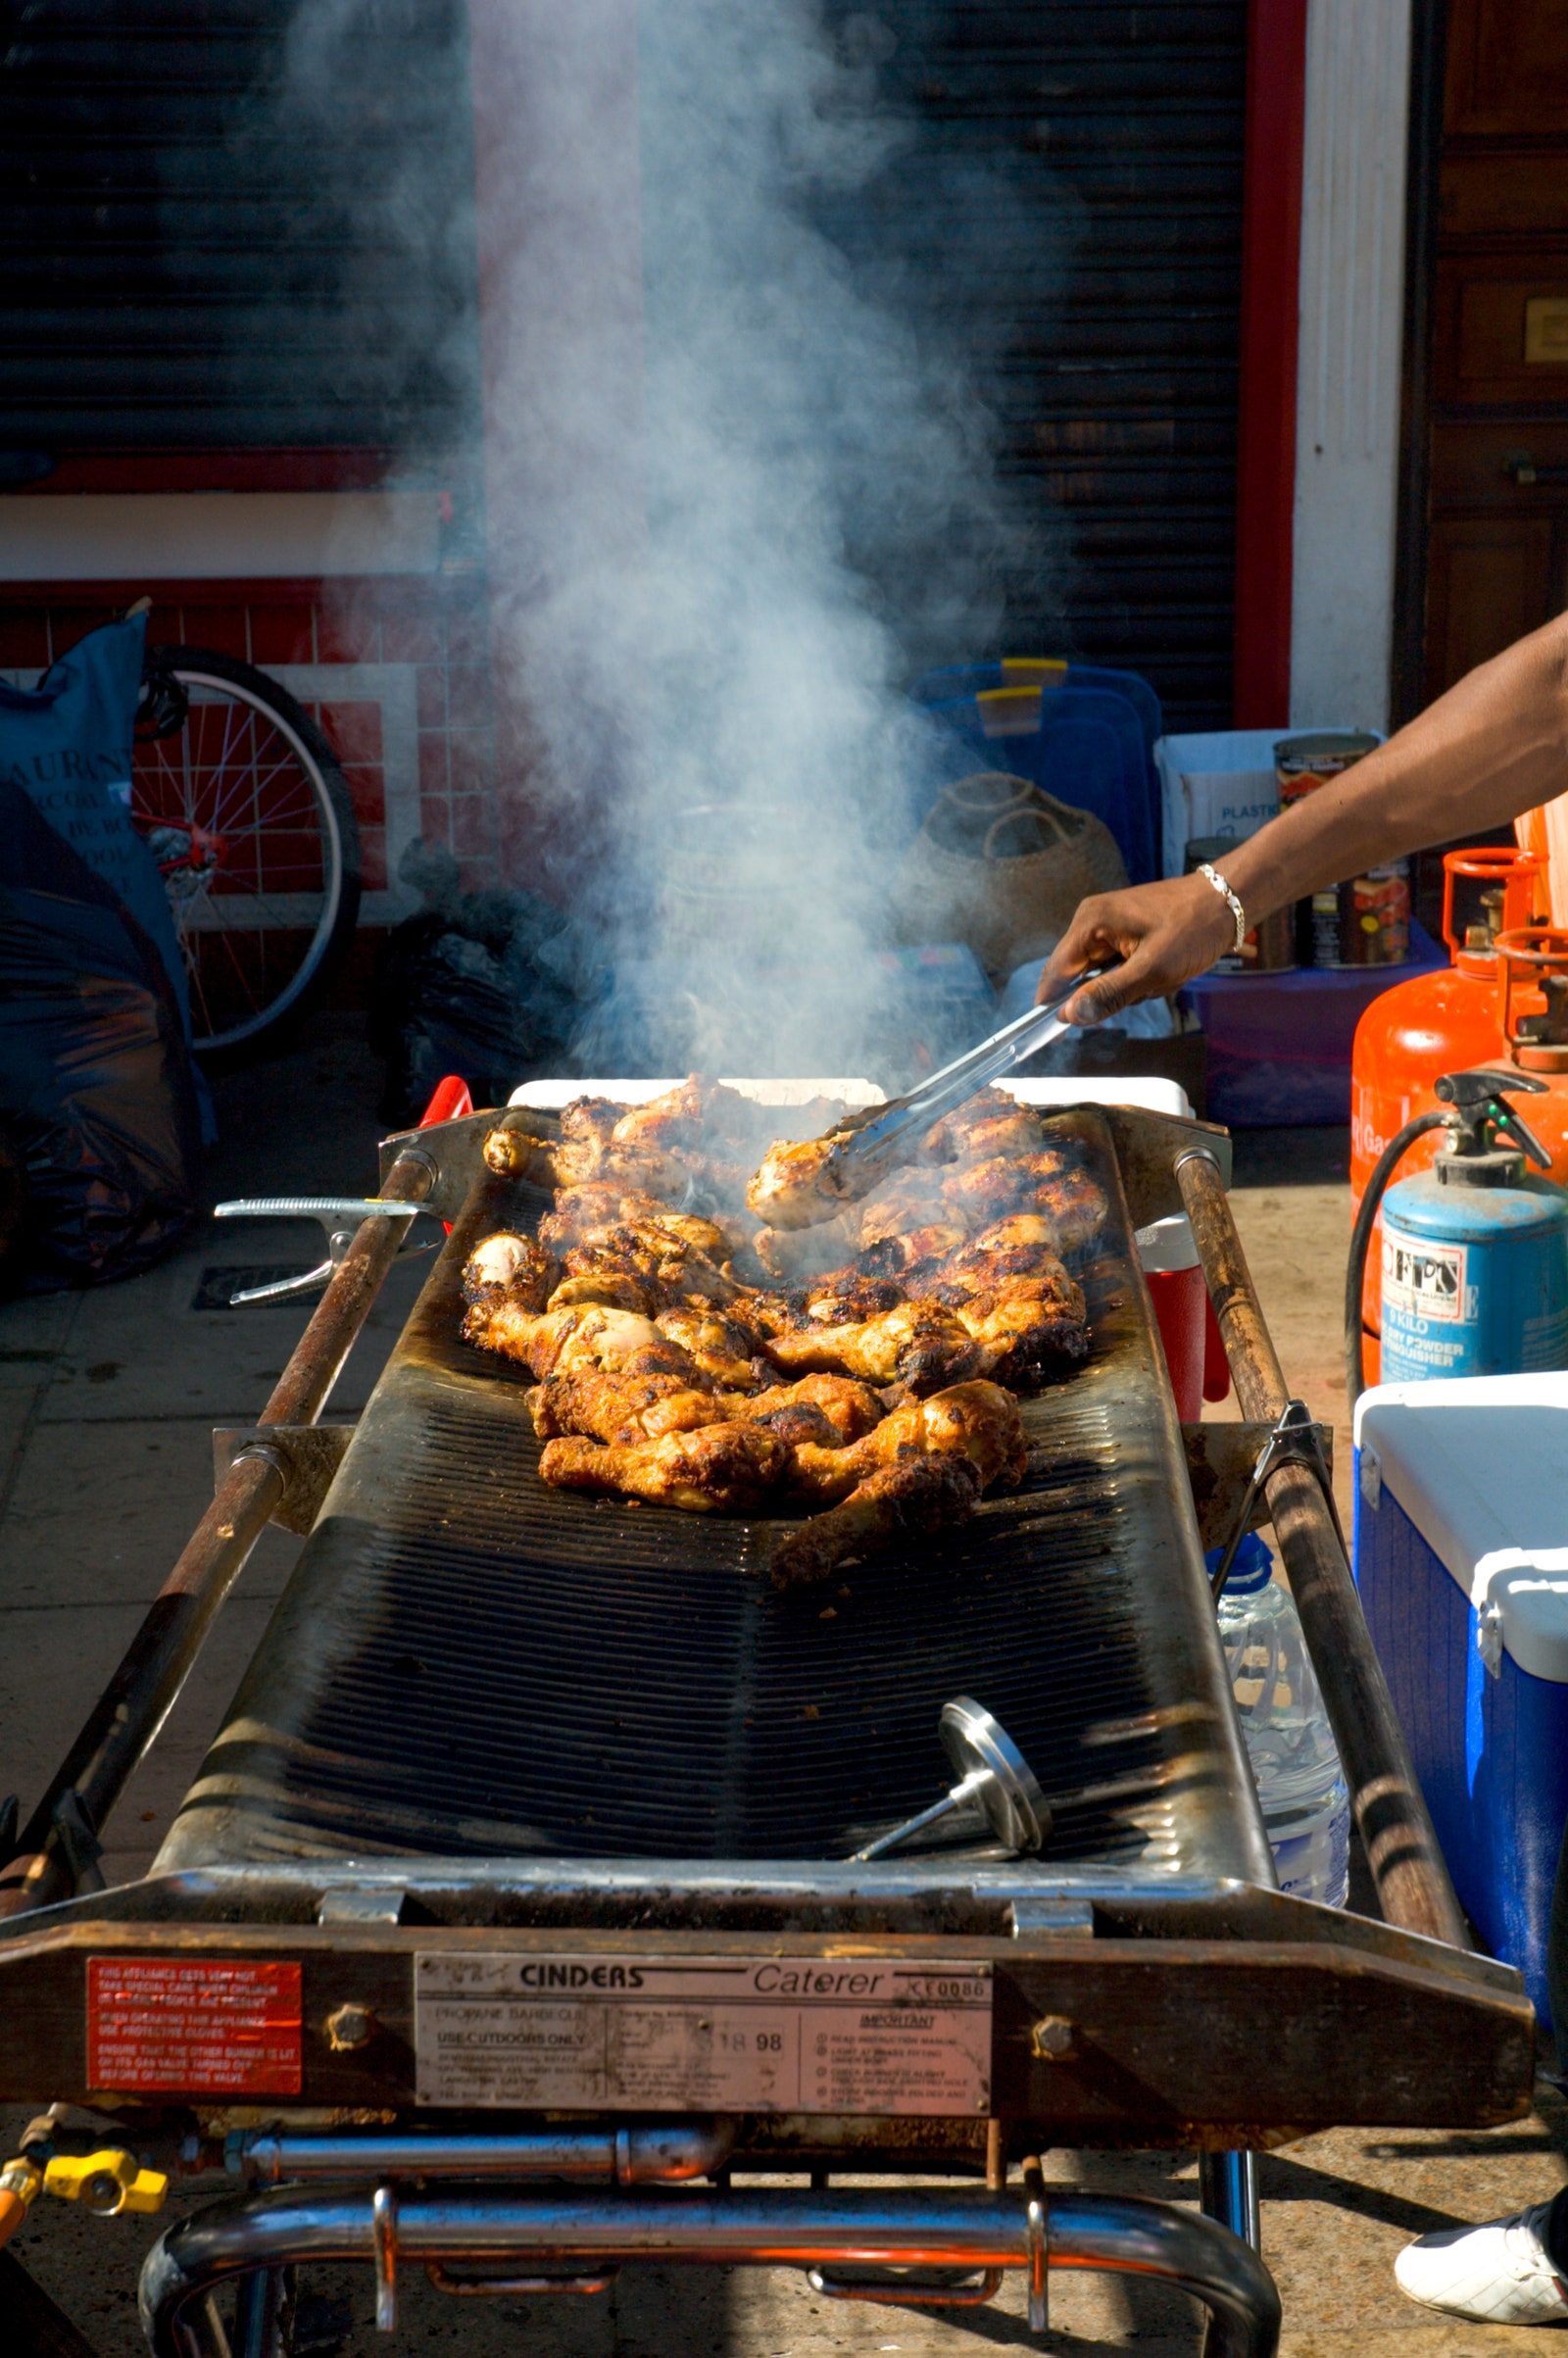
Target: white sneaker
(1500, 2274)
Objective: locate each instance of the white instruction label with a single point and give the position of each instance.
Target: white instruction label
(1425, 1280)
(702, 2033)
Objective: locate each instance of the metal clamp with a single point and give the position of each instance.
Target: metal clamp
(339, 1215)
(1038, 2217)
(306, 1457)
(911, 2290)
(385, 2249)
(1296, 1439)
(511, 2286)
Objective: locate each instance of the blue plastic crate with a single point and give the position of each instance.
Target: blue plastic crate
(972, 679)
(1461, 1558)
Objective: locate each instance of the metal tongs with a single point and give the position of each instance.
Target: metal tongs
(885, 1134)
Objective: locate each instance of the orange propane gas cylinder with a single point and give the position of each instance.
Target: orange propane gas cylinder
(1453, 1022)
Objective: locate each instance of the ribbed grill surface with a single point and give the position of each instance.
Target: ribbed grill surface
(468, 1662)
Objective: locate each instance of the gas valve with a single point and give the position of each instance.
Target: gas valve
(107, 2182)
(20, 2184)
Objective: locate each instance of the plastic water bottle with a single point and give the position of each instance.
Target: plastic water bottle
(1295, 1767)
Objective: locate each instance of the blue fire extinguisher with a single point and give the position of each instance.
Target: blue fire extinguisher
(1475, 1251)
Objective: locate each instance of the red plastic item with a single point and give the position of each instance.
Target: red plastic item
(1216, 1367)
(1175, 1280)
(450, 1103)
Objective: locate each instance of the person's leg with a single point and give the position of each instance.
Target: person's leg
(1514, 2270)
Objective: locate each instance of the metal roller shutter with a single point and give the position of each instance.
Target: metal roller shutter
(213, 241)
(1107, 298)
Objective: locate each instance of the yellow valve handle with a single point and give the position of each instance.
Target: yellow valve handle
(108, 2181)
(20, 2182)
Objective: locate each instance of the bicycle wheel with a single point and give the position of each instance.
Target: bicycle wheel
(241, 802)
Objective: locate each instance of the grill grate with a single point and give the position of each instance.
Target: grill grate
(467, 1662)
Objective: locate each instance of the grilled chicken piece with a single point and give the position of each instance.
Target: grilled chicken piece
(578, 1337)
(1042, 1183)
(845, 1407)
(590, 1122)
(729, 1466)
(646, 1264)
(1021, 1245)
(992, 1122)
(1034, 1330)
(913, 1494)
(720, 1240)
(795, 1255)
(979, 1421)
(619, 1408)
(892, 1255)
(907, 1199)
(921, 1343)
(800, 1186)
(675, 1119)
(1010, 1289)
(726, 1352)
(510, 1266)
(847, 1298)
(584, 1212)
(828, 1410)
(515, 1153)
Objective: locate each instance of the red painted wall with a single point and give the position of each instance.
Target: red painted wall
(1271, 248)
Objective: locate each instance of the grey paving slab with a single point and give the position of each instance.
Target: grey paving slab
(54, 1663)
(99, 1512)
(142, 1350)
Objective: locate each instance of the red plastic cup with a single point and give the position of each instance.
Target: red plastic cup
(1175, 1279)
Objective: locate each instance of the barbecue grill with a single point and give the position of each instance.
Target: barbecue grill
(519, 1893)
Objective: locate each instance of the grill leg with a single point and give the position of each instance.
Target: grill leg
(263, 2313)
(1228, 2192)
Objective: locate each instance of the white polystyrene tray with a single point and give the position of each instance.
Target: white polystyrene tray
(1152, 1094)
(1480, 1466)
(548, 1096)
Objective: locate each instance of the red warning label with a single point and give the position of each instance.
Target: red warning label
(196, 2026)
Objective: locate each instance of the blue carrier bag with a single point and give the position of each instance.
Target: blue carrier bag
(98, 1118)
(67, 742)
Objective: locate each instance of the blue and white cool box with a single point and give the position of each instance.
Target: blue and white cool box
(1462, 1557)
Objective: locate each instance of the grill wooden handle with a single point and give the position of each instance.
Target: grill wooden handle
(1402, 1847)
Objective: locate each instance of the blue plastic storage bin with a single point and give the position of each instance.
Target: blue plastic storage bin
(1462, 1557)
(1088, 749)
(972, 679)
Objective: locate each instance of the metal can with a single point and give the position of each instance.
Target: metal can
(1366, 921)
(1333, 932)
(1270, 944)
(1302, 763)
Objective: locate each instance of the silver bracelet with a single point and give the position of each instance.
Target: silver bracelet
(1225, 895)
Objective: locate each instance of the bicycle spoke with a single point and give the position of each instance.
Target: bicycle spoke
(259, 896)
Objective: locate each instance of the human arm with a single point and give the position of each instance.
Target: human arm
(1493, 746)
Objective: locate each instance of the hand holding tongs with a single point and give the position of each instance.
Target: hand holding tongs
(880, 1136)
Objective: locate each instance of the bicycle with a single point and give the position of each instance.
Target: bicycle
(241, 802)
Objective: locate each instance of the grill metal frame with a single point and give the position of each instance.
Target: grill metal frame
(1162, 1979)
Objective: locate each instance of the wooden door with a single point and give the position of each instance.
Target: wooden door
(1497, 546)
